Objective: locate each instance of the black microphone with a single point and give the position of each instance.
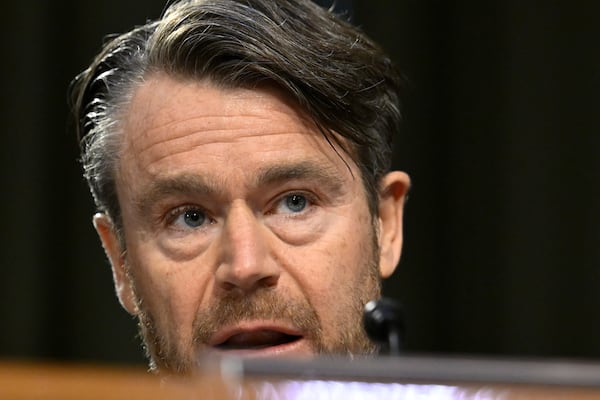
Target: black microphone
(383, 321)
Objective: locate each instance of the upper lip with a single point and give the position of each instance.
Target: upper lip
(252, 329)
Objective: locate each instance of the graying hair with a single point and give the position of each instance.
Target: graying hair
(336, 74)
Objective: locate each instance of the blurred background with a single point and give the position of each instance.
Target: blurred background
(501, 138)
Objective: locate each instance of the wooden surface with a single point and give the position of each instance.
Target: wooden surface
(20, 381)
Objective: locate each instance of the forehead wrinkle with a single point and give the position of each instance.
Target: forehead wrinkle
(207, 128)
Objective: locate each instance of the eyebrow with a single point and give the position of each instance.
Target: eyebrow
(163, 187)
(197, 185)
(324, 175)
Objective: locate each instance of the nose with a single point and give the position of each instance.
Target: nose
(245, 263)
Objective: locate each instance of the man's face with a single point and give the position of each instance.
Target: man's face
(246, 232)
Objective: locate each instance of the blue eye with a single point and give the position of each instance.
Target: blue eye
(294, 205)
(295, 202)
(192, 218)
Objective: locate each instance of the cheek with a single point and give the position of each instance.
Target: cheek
(170, 291)
(328, 273)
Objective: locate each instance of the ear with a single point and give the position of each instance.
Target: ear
(112, 246)
(392, 197)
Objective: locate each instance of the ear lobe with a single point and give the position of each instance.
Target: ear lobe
(112, 246)
(392, 197)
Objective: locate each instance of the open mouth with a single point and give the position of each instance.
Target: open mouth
(257, 340)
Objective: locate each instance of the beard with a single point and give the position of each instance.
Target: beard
(349, 337)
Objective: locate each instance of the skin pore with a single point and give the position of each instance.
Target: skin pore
(246, 232)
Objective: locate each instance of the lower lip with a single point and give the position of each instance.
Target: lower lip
(298, 348)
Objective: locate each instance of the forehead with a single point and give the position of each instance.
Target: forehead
(173, 123)
(163, 99)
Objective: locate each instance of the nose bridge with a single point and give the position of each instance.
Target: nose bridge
(241, 234)
(244, 262)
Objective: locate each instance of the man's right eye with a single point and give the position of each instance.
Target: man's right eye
(188, 217)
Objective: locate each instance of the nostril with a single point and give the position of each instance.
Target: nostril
(247, 285)
(228, 286)
(268, 281)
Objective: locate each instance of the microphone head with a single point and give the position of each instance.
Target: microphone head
(383, 318)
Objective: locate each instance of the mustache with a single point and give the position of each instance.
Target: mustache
(265, 304)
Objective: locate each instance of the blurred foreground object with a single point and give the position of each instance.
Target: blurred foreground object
(375, 378)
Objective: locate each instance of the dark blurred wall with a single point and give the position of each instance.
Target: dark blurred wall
(501, 139)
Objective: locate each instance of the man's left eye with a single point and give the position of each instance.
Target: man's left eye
(292, 203)
(296, 202)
